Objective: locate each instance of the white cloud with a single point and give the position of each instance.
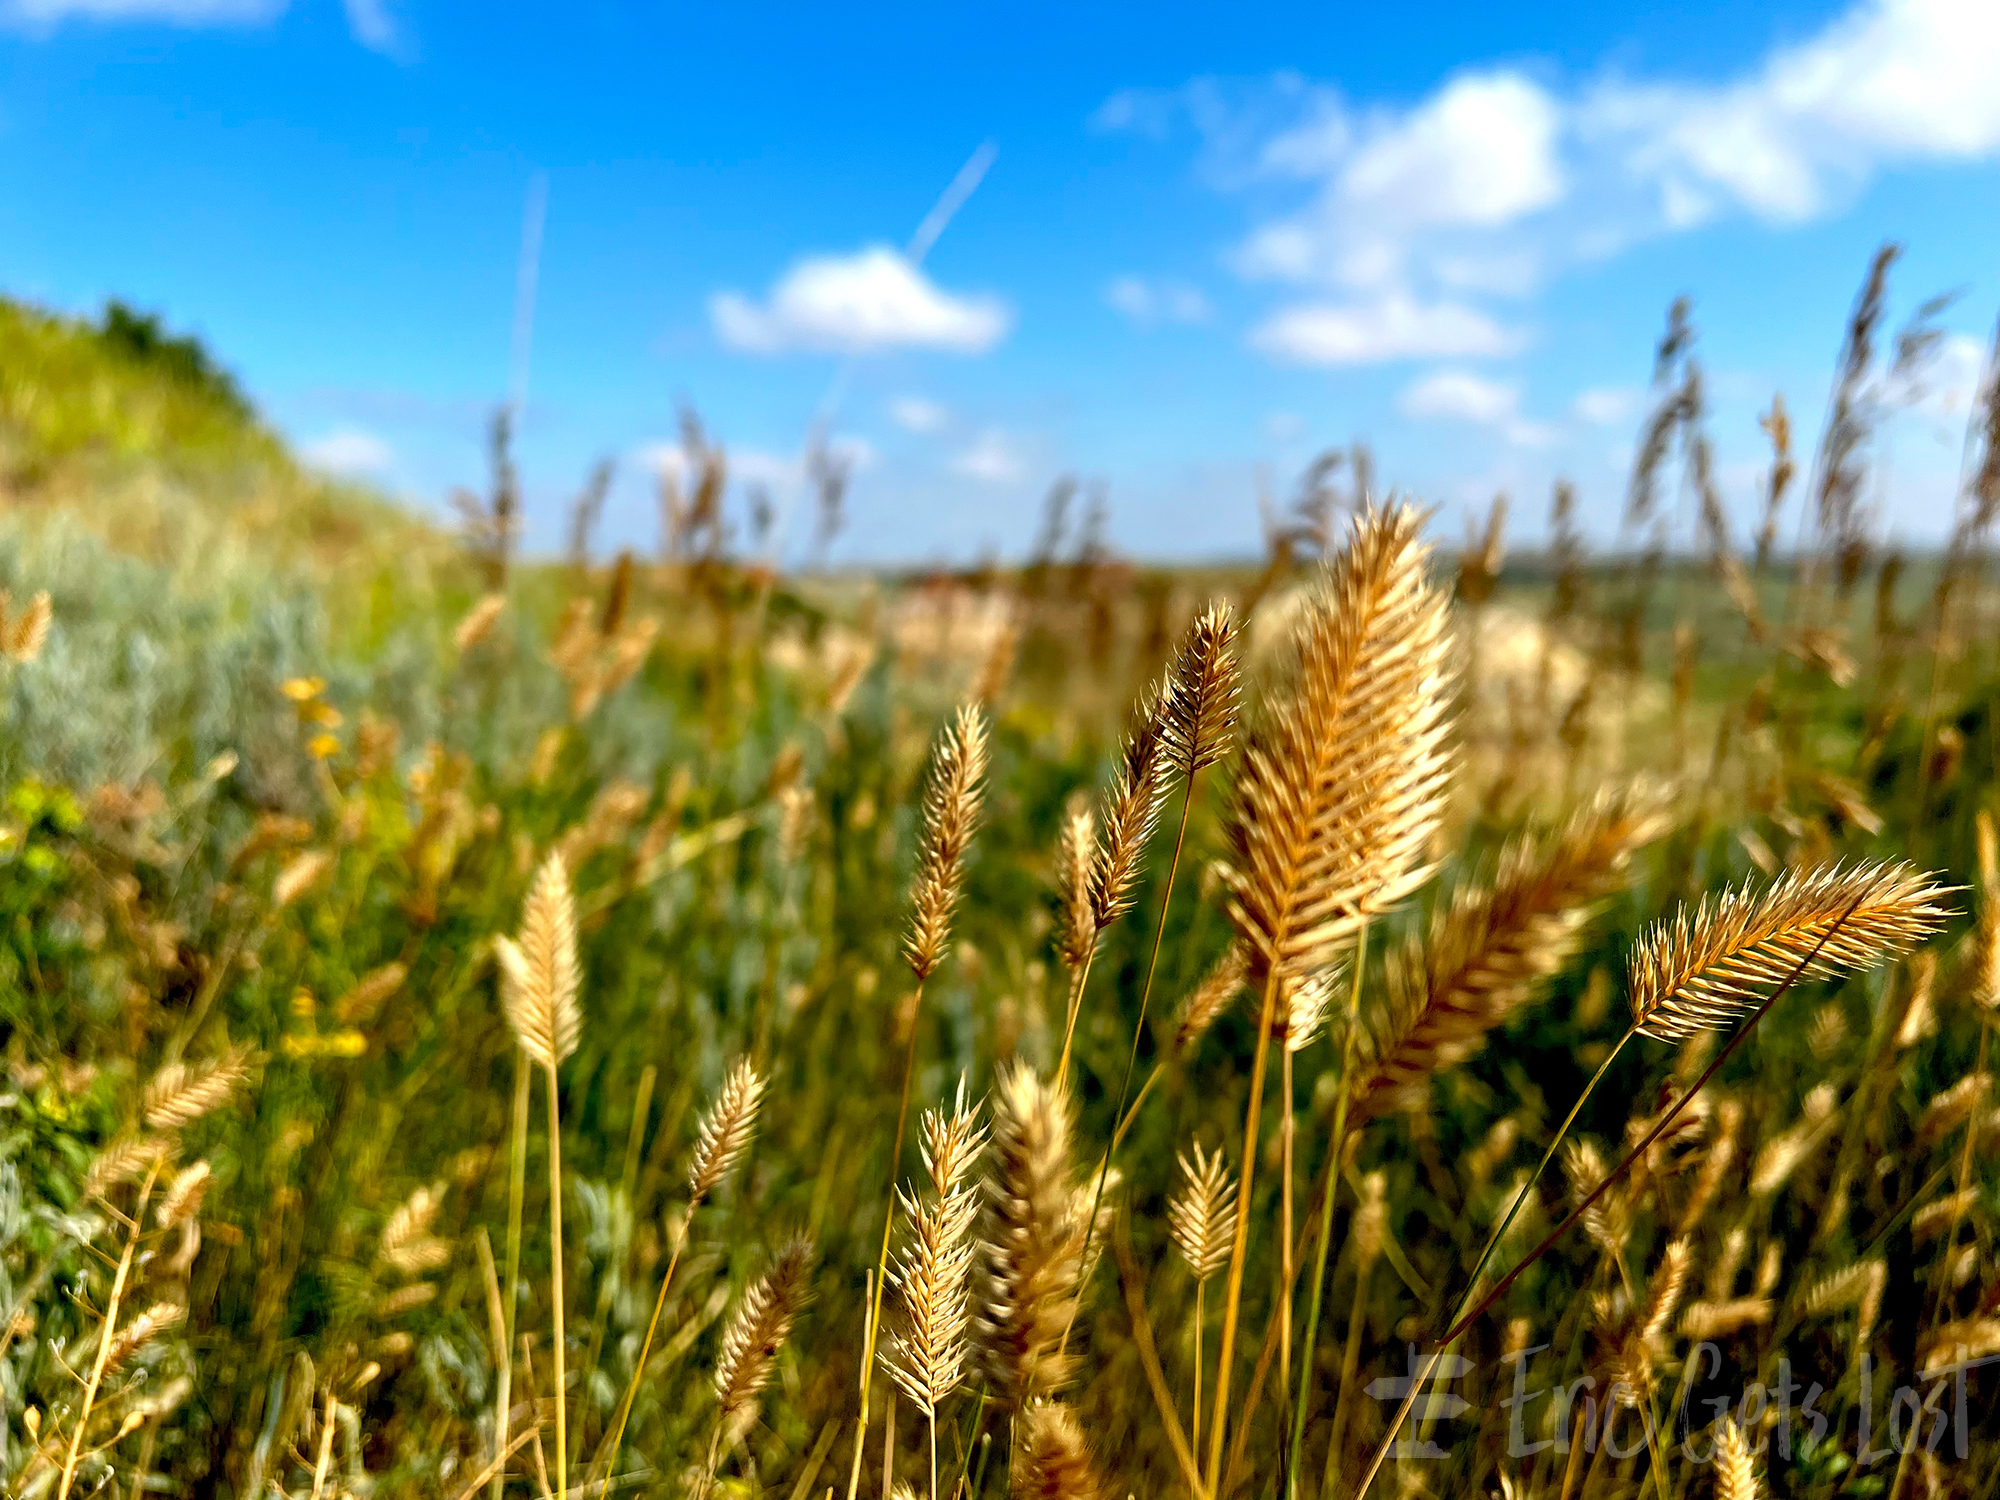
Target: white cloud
(993, 458)
(1461, 396)
(1501, 178)
(1605, 406)
(858, 304)
(351, 451)
(373, 24)
(1389, 328)
(1147, 303)
(1888, 82)
(44, 15)
(919, 414)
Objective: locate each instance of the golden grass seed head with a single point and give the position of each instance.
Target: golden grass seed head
(1952, 1107)
(1131, 808)
(181, 1093)
(1076, 858)
(1206, 1002)
(183, 1198)
(125, 1161)
(762, 1323)
(1735, 1477)
(1708, 967)
(725, 1131)
(1202, 1216)
(1712, 1320)
(1204, 687)
(1341, 785)
(155, 1322)
(1053, 1460)
(540, 976)
(951, 815)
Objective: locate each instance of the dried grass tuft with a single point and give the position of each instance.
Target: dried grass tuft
(1202, 1215)
(726, 1129)
(762, 1323)
(1052, 1461)
(1203, 692)
(181, 1093)
(926, 1357)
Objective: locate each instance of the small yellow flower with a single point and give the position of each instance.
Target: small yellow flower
(304, 689)
(323, 746)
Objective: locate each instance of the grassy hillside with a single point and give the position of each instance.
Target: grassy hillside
(456, 1016)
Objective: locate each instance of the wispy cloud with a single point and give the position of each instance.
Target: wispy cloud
(1392, 327)
(869, 301)
(993, 458)
(35, 16)
(1462, 396)
(375, 26)
(353, 451)
(1148, 303)
(919, 414)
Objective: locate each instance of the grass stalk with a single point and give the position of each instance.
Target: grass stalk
(517, 1187)
(560, 1390)
(104, 1338)
(1240, 1244)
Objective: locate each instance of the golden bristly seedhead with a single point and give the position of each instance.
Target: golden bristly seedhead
(1076, 858)
(1735, 1477)
(1203, 1214)
(1032, 1239)
(762, 1323)
(951, 815)
(181, 1093)
(1710, 967)
(539, 974)
(926, 1356)
(1052, 1461)
(725, 1131)
(1342, 782)
(1203, 688)
(1131, 808)
(1209, 999)
(1489, 946)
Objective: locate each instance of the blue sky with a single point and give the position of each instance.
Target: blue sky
(1210, 241)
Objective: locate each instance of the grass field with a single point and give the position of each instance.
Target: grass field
(464, 1016)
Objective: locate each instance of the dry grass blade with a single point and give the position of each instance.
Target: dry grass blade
(1209, 999)
(1053, 1461)
(1708, 968)
(540, 978)
(1490, 946)
(762, 1323)
(1202, 1214)
(1131, 808)
(1204, 685)
(927, 1356)
(726, 1129)
(951, 814)
(181, 1093)
(1985, 958)
(1341, 785)
(1032, 1240)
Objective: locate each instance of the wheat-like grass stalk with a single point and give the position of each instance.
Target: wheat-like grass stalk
(1339, 790)
(540, 983)
(1132, 806)
(1491, 945)
(1201, 1217)
(1076, 857)
(1708, 968)
(108, 1334)
(1205, 1003)
(755, 1335)
(1032, 1240)
(1735, 1477)
(1204, 687)
(181, 1093)
(1052, 1459)
(721, 1137)
(951, 816)
(926, 1356)
(762, 1323)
